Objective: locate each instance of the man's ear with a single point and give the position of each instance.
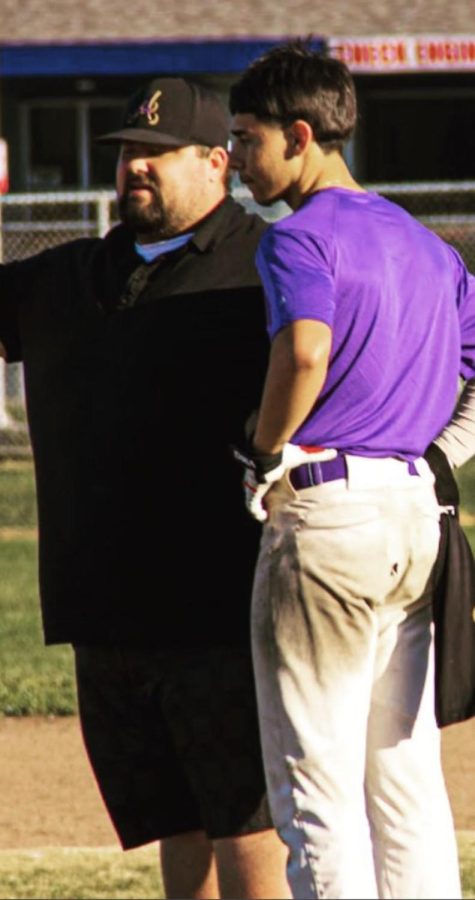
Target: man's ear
(219, 159)
(299, 136)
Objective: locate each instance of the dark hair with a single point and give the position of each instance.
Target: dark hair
(292, 82)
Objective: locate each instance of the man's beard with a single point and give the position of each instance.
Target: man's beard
(145, 218)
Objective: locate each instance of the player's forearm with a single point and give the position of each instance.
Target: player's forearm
(297, 370)
(286, 403)
(457, 440)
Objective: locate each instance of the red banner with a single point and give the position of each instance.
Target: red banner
(406, 54)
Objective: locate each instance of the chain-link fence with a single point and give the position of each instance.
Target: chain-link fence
(32, 222)
(448, 208)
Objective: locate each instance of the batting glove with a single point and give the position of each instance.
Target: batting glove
(262, 470)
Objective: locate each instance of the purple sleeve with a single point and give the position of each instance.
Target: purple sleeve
(466, 311)
(296, 272)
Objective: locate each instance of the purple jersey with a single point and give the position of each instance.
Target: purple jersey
(401, 306)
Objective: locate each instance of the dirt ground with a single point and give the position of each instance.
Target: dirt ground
(48, 796)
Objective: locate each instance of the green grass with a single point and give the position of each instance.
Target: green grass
(470, 532)
(466, 482)
(33, 680)
(80, 874)
(17, 495)
(109, 874)
(17, 412)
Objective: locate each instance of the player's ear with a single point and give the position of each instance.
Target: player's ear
(299, 136)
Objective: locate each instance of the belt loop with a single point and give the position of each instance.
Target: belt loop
(315, 474)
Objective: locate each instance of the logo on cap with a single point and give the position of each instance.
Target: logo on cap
(149, 109)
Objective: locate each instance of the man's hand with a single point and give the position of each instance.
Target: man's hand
(262, 470)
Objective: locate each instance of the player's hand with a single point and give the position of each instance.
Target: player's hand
(262, 470)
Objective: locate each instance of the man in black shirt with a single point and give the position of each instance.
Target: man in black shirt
(144, 353)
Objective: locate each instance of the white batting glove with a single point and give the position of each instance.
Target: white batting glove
(263, 470)
(254, 493)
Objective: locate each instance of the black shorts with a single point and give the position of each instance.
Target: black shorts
(173, 741)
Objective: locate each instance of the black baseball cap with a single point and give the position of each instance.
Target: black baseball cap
(173, 111)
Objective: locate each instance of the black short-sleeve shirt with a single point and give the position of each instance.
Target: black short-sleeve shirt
(143, 535)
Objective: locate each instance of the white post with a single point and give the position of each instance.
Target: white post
(4, 417)
(103, 215)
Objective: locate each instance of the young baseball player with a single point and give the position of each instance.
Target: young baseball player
(372, 321)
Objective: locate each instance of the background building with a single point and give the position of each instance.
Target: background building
(66, 67)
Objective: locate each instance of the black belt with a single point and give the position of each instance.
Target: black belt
(311, 474)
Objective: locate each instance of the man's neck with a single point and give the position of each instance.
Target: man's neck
(332, 172)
